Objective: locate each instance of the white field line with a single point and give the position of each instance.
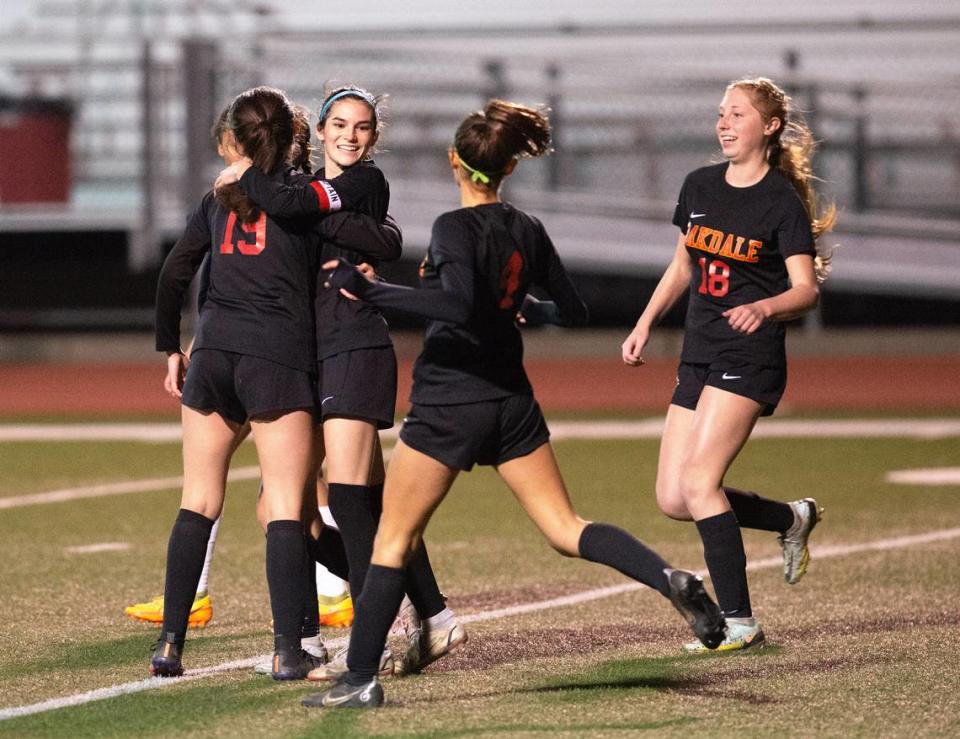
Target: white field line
(930, 476)
(929, 428)
(560, 430)
(116, 488)
(107, 546)
(824, 552)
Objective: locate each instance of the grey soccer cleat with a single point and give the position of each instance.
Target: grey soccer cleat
(796, 555)
(690, 598)
(344, 695)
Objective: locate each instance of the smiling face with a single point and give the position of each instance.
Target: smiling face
(741, 128)
(348, 133)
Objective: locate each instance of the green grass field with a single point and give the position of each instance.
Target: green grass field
(865, 645)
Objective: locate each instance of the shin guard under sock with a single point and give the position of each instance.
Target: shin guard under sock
(373, 615)
(186, 551)
(350, 505)
(727, 563)
(614, 547)
(754, 512)
(286, 559)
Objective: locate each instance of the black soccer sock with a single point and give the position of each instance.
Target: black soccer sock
(608, 545)
(311, 609)
(327, 549)
(754, 512)
(286, 557)
(186, 551)
(421, 584)
(727, 563)
(376, 500)
(374, 612)
(350, 506)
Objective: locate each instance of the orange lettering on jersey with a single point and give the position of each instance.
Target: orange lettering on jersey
(714, 240)
(726, 245)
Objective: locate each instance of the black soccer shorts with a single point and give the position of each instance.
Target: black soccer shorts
(489, 432)
(765, 385)
(241, 386)
(359, 384)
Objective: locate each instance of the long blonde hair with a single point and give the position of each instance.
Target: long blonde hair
(790, 150)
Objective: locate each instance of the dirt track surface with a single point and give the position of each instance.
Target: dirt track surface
(914, 383)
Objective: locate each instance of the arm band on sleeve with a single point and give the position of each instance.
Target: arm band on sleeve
(327, 197)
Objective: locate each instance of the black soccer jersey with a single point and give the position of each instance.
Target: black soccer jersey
(738, 239)
(342, 324)
(259, 290)
(480, 263)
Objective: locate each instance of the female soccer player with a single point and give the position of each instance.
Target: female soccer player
(357, 367)
(472, 401)
(747, 257)
(334, 608)
(253, 359)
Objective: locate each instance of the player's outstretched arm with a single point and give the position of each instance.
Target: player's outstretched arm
(447, 304)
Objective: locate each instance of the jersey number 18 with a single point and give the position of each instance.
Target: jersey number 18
(714, 279)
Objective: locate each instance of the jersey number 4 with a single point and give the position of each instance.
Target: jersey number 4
(715, 278)
(257, 229)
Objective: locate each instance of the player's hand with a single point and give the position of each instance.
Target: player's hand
(345, 275)
(367, 271)
(233, 173)
(632, 348)
(177, 364)
(745, 318)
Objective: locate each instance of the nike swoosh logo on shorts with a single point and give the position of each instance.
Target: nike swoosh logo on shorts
(725, 376)
(329, 397)
(697, 215)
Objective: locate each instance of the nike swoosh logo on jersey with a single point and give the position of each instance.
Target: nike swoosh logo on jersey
(697, 215)
(725, 376)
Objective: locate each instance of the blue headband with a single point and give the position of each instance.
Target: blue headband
(355, 92)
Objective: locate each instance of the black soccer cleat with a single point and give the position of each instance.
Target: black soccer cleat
(294, 664)
(345, 695)
(165, 661)
(690, 598)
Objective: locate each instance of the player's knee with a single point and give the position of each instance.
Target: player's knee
(670, 501)
(393, 548)
(695, 485)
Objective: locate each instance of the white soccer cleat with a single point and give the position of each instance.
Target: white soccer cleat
(741, 633)
(337, 667)
(428, 645)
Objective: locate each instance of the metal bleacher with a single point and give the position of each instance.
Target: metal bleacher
(633, 108)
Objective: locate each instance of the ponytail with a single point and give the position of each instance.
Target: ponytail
(262, 121)
(488, 140)
(791, 151)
